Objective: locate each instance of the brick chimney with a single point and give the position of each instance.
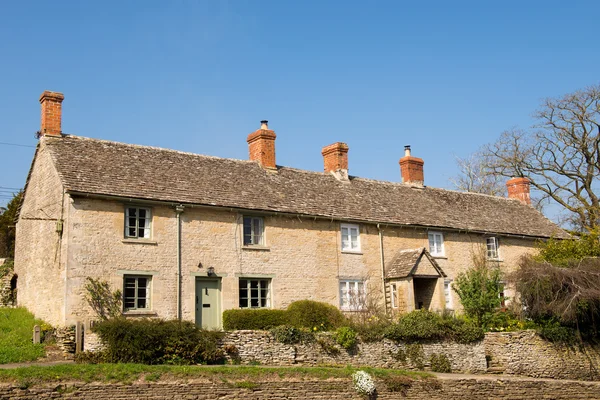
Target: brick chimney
(335, 157)
(51, 113)
(518, 188)
(411, 168)
(261, 145)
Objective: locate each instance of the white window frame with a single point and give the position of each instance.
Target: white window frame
(263, 285)
(492, 248)
(254, 238)
(348, 243)
(136, 297)
(448, 294)
(351, 297)
(394, 294)
(136, 226)
(435, 249)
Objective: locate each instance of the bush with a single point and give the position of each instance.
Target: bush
(415, 326)
(554, 332)
(261, 319)
(315, 315)
(372, 329)
(461, 330)
(440, 363)
(291, 335)
(158, 342)
(346, 337)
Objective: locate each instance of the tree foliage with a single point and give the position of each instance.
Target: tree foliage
(560, 155)
(475, 175)
(566, 252)
(479, 289)
(105, 302)
(7, 226)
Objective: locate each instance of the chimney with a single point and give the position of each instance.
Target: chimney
(335, 157)
(261, 145)
(411, 168)
(518, 188)
(51, 113)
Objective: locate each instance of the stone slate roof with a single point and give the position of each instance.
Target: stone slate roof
(416, 262)
(116, 169)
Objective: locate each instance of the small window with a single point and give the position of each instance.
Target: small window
(394, 295)
(436, 244)
(352, 295)
(136, 292)
(137, 222)
(253, 231)
(255, 293)
(502, 294)
(350, 237)
(448, 293)
(492, 248)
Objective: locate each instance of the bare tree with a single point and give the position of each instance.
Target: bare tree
(560, 155)
(476, 176)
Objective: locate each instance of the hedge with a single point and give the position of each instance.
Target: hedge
(260, 319)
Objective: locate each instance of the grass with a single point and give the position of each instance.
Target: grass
(16, 331)
(246, 376)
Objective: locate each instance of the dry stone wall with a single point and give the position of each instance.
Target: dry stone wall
(526, 353)
(446, 388)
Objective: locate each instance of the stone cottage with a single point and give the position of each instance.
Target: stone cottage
(187, 236)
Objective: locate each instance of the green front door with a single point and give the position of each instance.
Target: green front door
(208, 303)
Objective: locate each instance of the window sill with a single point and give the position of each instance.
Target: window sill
(495, 259)
(135, 313)
(352, 252)
(257, 248)
(139, 241)
(439, 257)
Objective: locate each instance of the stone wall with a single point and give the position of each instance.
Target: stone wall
(526, 353)
(446, 388)
(249, 347)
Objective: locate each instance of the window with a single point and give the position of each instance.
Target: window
(350, 237)
(137, 222)
(136, 292)
(448, 293)
(394, 294)
(352, 295)
(253, 231)
(436, 244)
(492, 248)
(255, 293)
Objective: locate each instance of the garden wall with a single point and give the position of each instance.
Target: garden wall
(448, 388)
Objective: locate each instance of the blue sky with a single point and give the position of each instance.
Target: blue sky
(444, 77)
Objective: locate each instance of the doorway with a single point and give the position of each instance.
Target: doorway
(208, 303)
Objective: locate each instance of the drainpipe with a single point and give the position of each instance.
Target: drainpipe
(178, 210)
(382, 266)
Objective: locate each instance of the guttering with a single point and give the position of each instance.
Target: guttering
(178, 210)
(323, 217)
(382, 267)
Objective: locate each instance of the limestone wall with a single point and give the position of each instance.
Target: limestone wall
(526, 353)
(446, 388)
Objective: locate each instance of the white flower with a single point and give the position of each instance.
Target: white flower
(363, 383)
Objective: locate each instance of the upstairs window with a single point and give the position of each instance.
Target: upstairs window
(253, 231)
(138, 222)
(492, 248)
(436, 244)
(350, 237)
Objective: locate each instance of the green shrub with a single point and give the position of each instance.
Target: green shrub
(415, 326)
(462, 330)
(416, 355)
(291, 335)
(158, 342)
(346, 337)
(440, 363)
(261, 319)
(397, 383)
(372, 329)
(554, 332)
(315, 315)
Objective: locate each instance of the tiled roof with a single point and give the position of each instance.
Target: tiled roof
(416, 262)
(117, 169)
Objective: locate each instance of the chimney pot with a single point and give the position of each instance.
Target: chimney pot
(335, 157)
(261, 146)
(518, 188)
(411, 169)
(51, 104)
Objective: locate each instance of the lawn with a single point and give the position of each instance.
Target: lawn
(16, 331)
